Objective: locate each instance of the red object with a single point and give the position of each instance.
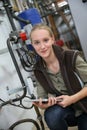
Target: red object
(60, 43)
(23, 36)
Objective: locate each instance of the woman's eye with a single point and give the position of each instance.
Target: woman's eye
(36, 43)
(46, 40)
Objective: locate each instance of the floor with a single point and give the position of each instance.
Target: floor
(73, 128)
(46, 128)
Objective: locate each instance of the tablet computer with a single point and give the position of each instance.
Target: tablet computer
(37, 100)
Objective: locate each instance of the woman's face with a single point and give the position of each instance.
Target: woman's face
(42, 42)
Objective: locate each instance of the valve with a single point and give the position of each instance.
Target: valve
(15, 36)
(23, 36)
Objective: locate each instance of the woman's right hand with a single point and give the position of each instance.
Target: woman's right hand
(51, 101)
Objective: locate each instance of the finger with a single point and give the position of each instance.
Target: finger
(52, 100)
(36, 104)
(40, 101)
(62, 96)
(59, 99)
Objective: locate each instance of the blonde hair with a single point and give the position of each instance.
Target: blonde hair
(41, 26)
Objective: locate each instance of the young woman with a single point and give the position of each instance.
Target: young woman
(57, 79)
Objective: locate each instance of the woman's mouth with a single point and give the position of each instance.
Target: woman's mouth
(44, 51)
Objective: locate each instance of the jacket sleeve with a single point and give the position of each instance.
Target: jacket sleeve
(81, 67)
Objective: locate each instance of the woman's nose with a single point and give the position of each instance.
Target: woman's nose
(42, 45)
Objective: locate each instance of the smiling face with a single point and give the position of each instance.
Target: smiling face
(42, 42)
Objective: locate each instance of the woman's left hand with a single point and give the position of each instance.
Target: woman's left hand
(64, 100)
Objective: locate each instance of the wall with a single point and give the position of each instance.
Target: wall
(78, 10)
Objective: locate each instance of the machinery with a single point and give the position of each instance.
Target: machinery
(18, 48)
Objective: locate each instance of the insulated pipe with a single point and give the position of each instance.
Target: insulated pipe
(17, 69)
(12, 127)
(20, 19)
(8, 8)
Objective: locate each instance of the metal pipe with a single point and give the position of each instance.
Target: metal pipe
(8, 8)
(17, 69)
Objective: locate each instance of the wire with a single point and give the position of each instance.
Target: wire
(27, 58)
